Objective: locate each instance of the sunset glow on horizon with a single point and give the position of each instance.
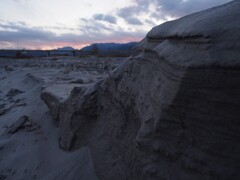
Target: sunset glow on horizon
(44, 24)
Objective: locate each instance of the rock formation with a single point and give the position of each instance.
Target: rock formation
(54, 95)
(171, 110)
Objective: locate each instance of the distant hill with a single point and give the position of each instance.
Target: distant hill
(114, 49)
(110, 46)
(67, 48)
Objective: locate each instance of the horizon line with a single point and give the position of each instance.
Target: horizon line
(26, 49)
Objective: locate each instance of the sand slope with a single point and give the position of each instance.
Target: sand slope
(29, 149)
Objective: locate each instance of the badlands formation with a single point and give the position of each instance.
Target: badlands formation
(29, 136)
(169, 111)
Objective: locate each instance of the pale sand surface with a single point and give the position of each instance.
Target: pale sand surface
(32, 151)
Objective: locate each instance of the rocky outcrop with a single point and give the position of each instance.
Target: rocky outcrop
(77, 114)
(171, 110)
(54, 95)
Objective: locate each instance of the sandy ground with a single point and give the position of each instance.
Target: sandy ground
(29, 148)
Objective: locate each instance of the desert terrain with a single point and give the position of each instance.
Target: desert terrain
(28, 134)
(168, 111)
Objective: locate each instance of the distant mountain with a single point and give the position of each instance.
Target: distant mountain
(67, 48)
(108, 49)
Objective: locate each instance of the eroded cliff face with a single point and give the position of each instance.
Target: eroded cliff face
(171, 110)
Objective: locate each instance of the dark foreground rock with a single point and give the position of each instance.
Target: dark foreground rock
(171, 110)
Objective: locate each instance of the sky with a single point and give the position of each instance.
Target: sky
(49, 24)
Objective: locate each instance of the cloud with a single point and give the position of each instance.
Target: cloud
(122, 25)
(129, 15)
(20, 1)
(92, 26)
(127, 11)
(178, 8)
(12, 31)
(105, 17)
(17, 35)
(150, 22)
(162, 9)
(133, 21)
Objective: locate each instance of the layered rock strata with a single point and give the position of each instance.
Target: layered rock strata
(171, 110)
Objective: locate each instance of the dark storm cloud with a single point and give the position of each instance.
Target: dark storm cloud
(105, 17)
